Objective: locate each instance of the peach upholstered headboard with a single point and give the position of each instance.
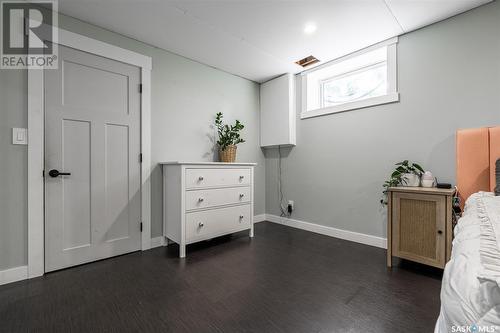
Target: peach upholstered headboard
(477, 151)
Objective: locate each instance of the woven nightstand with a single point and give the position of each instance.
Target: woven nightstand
(419, 225)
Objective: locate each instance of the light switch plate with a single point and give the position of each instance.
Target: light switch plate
(19, 136)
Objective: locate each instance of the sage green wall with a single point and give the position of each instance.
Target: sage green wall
(13, 170)
(185, 97)
(449, 78)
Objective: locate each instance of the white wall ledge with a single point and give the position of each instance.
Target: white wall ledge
(374, 101)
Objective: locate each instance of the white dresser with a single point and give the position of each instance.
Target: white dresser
(206, 200)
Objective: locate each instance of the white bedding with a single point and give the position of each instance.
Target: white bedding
(470, 292)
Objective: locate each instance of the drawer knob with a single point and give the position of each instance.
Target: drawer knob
(241, 217)
(200, 178)
(201, 199)
(241, 195)
(201, 224)
(241, 177)
(440, 232)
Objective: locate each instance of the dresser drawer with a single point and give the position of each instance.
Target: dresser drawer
(217, 177)
(196, 199)
(216, 222)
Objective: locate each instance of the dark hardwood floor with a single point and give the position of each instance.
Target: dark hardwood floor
(284, 280)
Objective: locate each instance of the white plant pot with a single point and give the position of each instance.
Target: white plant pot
(410, 179)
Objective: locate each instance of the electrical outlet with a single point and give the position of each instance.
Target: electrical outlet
(290, 206)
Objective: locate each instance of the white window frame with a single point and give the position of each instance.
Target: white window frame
(36, 135)
(392, 84)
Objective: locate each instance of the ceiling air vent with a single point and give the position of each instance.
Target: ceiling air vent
(307, 61)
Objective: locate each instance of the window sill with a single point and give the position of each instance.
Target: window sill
(380, 100)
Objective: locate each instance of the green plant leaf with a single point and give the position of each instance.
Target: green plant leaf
(228, 134)
(401, 169)
(396, 173)
(418, 167)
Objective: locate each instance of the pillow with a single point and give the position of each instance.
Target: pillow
(497, 175)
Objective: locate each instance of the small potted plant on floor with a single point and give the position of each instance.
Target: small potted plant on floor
(229, 137)
(406, 174)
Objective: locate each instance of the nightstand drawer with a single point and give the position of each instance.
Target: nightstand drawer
(216, 222)
(198, 199)
(209, 178)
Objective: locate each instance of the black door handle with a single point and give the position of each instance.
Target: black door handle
(55, 173)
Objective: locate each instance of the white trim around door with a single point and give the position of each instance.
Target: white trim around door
(36, 248)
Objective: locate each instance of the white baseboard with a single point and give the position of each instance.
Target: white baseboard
(259, 218)
(330, 231)
(13, 274)
(157, 241)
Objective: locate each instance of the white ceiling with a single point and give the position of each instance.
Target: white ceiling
(261, 39)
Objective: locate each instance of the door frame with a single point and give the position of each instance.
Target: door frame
(36, 138)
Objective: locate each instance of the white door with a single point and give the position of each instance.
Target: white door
(92, 132)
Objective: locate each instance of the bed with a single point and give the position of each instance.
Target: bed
(470, 292)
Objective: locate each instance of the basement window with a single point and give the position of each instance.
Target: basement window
(362, 79)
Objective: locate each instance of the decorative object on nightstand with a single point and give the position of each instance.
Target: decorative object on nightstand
(428, 179)
(406, 174)
(419, 224)
(229, 137)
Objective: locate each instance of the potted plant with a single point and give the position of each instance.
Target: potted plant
(229, 137)
(405, 174)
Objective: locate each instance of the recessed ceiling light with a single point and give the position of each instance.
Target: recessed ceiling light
(310, 28)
